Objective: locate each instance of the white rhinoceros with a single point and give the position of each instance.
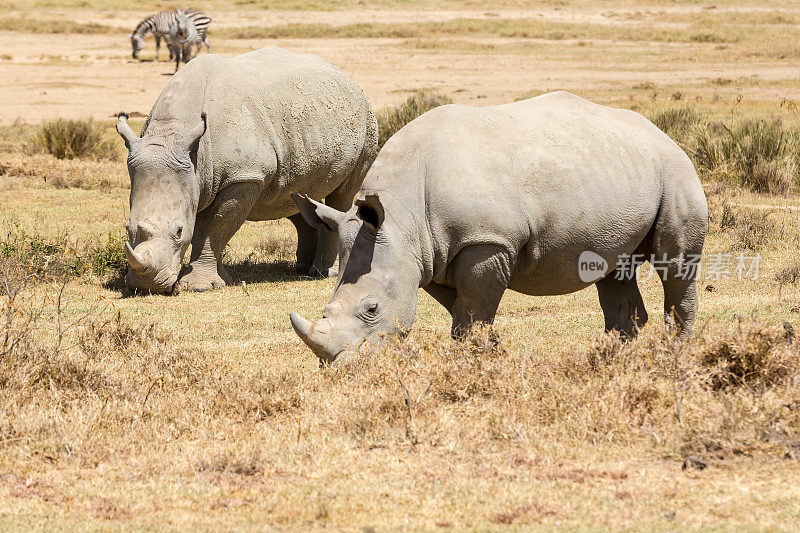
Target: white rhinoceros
(468, 202)
(229, 140)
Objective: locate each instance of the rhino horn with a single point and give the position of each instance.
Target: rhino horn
(136, 260)
(126, 132)
(311, 336)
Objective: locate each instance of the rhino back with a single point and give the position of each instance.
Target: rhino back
(291, 121)
(546, 178)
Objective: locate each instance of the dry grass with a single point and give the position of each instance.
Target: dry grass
(390, 120)
(511, 28)
(19, 169)
(206, 411)
(748, 229)
(101, 392)
(145, 409)
(760, 154)
(46, 25)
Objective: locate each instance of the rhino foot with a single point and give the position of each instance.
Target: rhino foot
(201, 281)
(315, 272)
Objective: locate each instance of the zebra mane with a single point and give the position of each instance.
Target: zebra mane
(140, 28)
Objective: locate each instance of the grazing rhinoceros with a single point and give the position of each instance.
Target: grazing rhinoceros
(228, 140)
(468, 202)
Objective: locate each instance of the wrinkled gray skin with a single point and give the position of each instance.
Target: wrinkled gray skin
(468, 202)
(276, 123)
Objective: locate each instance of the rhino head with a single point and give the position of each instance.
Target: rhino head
(376, 289)
(163, 204)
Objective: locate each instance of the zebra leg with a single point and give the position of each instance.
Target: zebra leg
(158, 45)
(208, 45)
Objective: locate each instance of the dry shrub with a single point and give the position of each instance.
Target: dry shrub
(729, 390)
(391, 119)
(725, 391)
(281, 247)
(750, 229)
(759, 154)
(789, 275)
(73, 138)
(757, 356)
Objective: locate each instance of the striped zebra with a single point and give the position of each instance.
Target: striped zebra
(182, 37)
(159, 25)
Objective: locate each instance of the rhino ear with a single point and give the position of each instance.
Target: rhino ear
(126, 132)
(193, 137)
(316, 213)
(370, 210)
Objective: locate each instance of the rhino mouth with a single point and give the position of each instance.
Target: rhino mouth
(151, 285)
(319, 337)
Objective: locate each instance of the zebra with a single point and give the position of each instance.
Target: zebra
(182, 37)
(159, 25)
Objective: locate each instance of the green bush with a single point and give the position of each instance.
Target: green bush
(391, 119)
(107, 257)
(70, 139)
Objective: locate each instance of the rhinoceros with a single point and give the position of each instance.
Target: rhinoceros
(466, 202)
(228, 140)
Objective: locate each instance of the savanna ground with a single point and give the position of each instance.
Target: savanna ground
(206, 411)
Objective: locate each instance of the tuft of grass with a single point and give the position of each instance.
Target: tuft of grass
(750, 229)
(677, 122)
(73, 138)
(761, 155)
(755, 356)
(391, 119)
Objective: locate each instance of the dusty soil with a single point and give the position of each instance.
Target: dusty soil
(72, 75)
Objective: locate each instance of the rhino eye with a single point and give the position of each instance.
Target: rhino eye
(370, 308)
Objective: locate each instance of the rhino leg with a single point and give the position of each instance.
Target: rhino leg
(214, 228)
(481, 274)
(444, 295)
(676, 242)
(622, 304)
(328, 241)
(679, 280)
(306, 243)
